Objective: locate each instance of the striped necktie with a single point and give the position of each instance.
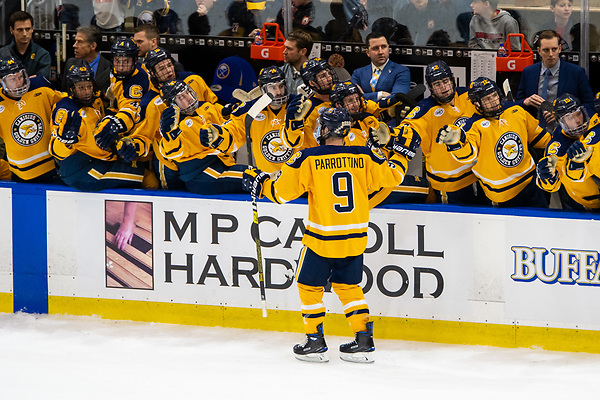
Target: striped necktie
(375, 77)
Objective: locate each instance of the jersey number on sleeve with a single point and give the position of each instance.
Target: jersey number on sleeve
(342, 187)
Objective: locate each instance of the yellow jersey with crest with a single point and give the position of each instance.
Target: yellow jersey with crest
(499, 149)
(26, 130)
(445, 173)
(86, 144)
(268, 150)
(338, 180)
(128, 94)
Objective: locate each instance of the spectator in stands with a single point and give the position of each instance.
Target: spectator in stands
(490, 26)
(339, 29)
(109, 15)
(560, 21)
(298, 46)
(423, 17)
(382, 77)
(575, 36)
(35, 59)
(548, 79)
(303, 16)
(241, 20)
(394, 32)
(86, 47)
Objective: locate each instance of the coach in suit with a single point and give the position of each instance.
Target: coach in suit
(382, 77)
(86, 48)
(550, 78)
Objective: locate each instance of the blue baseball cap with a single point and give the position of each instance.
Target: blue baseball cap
(233, 73)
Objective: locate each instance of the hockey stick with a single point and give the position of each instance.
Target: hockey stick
(246, 97)
(507, 90)
(261, 278)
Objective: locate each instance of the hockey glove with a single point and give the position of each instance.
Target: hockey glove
(399, 104)
(297, 108)
(169, 123)
(253, 181)
(70, 133)
(127, 149)
(546, 169)
(212, 136)
(452, 136)
(108, 130)
(406, 143)
(228, 109)
(579, 153)
(380, 135)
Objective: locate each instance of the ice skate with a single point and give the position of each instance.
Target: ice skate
(314, 348)
(361, 349)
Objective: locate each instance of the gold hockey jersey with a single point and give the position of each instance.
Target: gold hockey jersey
(187, 145)
(500, 150)
(128, 93)
(304, 137)
(86, 144)
(445, 173)
(338, 180)
(26, 130)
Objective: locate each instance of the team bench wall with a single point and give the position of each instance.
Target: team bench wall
(511, 278)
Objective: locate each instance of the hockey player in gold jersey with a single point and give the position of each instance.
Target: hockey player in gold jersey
(337, 179)
(81, 163)
(161, 67)
(26, 121)
(261, 134)
(205, 170)
(128, 84)
(496, 141)
(349, 96)
(452, 181)
(559, 170)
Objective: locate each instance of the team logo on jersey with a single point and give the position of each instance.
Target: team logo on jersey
(272, 148)
(27, 129)
(158, 101)
(83, 114)
(485, 124)
(438, 112)
(351, 136)
(189, 123)
(260, 117)
(1, 108)
(461, 121)
(509, 150)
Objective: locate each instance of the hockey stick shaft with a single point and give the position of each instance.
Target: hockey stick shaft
(261, 277)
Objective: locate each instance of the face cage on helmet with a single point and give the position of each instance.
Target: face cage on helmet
(580, 129)
(73, 94)
(447, 99)
(123, 74)
(321, 90)
(278, 100)
(18, 92)
(489, 114)
(190, 109)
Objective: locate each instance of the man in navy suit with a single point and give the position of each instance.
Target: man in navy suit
(382, 77)
(550, 78)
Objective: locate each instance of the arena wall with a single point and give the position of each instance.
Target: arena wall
(510, 278)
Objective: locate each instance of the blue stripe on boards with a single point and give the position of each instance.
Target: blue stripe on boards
(30, 255)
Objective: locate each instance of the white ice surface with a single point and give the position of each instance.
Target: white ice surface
(64, 357)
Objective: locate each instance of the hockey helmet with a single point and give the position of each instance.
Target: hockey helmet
(83, 94)
(125, 54)
(160, 72)
(439, 71)
(337, 121)
(479, 89)
(15, 80)
(349, 96)
(180, 94)
(318, 75)
(272, 81)
(571, 115)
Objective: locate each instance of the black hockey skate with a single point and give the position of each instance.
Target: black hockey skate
(361, 348)
(314, 348)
